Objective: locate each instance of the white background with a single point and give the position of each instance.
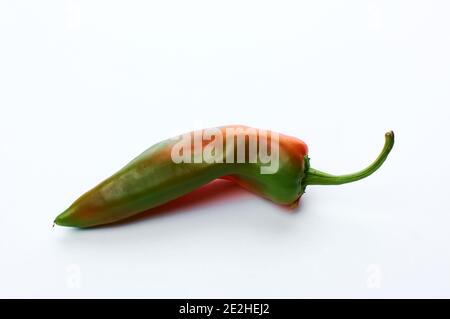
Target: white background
(87, 85)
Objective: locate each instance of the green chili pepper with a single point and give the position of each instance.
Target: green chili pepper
(167, 171)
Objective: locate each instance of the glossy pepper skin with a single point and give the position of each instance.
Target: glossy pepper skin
(153, 178)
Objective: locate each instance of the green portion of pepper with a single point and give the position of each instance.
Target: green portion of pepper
(154, 178)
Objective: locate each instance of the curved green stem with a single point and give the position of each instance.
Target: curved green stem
(315, 177)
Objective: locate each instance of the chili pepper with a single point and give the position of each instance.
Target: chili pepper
(155, 178)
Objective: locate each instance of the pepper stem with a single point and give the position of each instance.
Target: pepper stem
(315, 177)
